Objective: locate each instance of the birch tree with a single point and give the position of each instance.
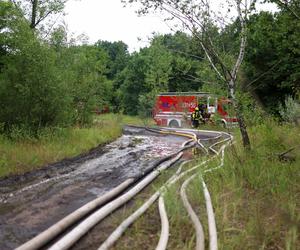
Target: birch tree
(39, 11)
(197, 17)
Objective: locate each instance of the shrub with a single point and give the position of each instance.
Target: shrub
(290, 110)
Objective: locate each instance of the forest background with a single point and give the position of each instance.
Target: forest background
(48, 80)
(51, 84)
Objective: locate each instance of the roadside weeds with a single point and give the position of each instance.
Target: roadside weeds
(256, 199)
(23, 155)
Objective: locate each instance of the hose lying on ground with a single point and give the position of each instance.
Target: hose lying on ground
(117, 233)
(59, 227)
(164, 235)
(127, 222)
(69, 239)
(53, 231)
(197, 224)
(209, 208)
(212, 228)
(211, 219)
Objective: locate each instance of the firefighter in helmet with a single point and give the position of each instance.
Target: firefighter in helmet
(195, 118)
(205, 116)
(202, 109)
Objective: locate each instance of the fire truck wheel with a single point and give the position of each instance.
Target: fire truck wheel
(174, 124)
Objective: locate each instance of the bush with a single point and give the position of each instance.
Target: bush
(290, 111)
(32, 91)
(146, 104)
(253, 114)
(43, 86)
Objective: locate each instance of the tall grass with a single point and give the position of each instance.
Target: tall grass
(21, 153)
(256, 197)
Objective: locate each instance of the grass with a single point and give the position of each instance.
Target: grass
(256, 198)
(19, 156)
(256, 195)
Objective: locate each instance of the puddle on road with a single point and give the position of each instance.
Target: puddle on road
(41, 200)
(129, 154)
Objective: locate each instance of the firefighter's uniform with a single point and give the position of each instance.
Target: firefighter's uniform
(202, 110)
(195, 118)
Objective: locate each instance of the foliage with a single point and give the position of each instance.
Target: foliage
(39, 11)
(53, 82)
(292, 7)
(272, 64)
(31, 92)
(146, 104)
(118, 55)
(134, 83)
(253, 113)
(88, 85)
(161, 67)
(290, 111)
(45, 86)
(185, 57)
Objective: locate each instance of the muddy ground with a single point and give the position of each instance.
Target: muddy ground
(32, 202)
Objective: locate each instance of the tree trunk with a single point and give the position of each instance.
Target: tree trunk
(33, 14)
(242, 124)
(239, 115)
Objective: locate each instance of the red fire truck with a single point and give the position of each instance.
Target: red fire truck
(173, 109)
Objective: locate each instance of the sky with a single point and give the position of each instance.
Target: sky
(109, 20)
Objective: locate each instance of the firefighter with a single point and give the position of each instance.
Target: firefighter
(202, 109)
(205, 116)
(195, 118)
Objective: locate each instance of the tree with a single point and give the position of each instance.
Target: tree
(118, 56)
(59, 38)
(38, 11)
(133, 84)
(199, 18)
(291, 6)
(32, 94)
(273, 58)
(157, 75)
(46, 85)
(85, 69)
(8, 22)
(185, 59)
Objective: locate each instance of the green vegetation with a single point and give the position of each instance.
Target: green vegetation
(25, 153)
(256, 195)
(255, 198)
(48, 79)
(51, 85)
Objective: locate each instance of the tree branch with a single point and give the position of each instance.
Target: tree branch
(43, 17)
(242, 43)
(285, 5)
(263, 74)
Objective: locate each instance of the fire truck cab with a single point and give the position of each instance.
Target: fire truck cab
(173, 109)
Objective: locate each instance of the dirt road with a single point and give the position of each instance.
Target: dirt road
(32, 202)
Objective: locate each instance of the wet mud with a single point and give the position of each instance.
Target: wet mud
(32, 202)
